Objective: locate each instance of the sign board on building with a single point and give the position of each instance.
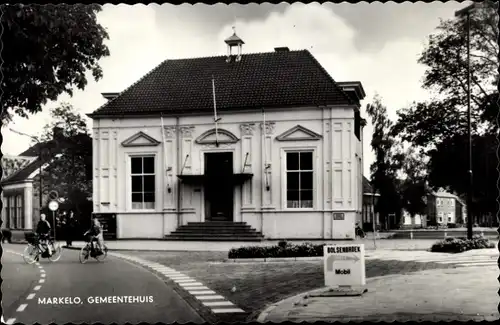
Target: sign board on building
(53, 205)
(344, 265)
(338, 216)
(108, 223)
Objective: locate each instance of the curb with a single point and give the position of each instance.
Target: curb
(273, 259)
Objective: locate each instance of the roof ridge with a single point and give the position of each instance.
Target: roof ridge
(132, 85)
(329, 76)
(225, 55)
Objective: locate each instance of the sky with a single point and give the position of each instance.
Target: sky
(375, 43)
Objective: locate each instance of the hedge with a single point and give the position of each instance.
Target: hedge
(283, 249)
(461, 244)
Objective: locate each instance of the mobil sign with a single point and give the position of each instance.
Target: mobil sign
(344, 265)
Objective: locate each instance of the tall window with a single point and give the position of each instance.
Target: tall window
(12, 211)
(440, 217)
(143, 182)
(299, 179)
(19, 212)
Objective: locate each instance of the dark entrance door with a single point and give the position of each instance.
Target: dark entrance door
(219, 186)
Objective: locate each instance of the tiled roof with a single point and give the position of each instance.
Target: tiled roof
(55, 147)
(12, 164)
(275, 79)
(367, 187)
(23, 174)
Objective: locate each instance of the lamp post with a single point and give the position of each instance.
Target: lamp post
(40, 168)
(466, 12)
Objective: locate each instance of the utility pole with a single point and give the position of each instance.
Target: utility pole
(466, 12)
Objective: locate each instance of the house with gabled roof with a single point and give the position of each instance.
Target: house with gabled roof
(240, 146)
(22, 204)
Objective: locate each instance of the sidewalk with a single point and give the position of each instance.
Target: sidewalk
(434, 295)
(164, 245)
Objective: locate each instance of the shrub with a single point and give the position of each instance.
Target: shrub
(280, 250)
(461, 244)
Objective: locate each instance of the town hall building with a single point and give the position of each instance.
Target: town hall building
(262, 145)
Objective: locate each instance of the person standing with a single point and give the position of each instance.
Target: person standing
(71, 226)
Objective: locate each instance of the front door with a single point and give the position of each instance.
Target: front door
(219, 186)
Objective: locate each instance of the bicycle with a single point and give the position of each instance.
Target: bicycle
(33, 252)
(90, 250)
(360, 232)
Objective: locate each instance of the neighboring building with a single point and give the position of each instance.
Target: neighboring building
(368, 207)
(445, 208)
(418, 221)
(17, 191)
(285, 157)
(20, 184)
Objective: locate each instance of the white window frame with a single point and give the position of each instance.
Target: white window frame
(12, 212)
(438, 202)
(440, 217)
(19, 211)
(315, 174)
(129, 180)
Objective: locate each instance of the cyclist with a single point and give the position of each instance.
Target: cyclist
(96, 231)
(359, 230)
(43, 231)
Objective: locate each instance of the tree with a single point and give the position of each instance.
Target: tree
(445, 56)
(69, 169)
(450, 176)
(413, 186)
(46, 51)
(387, 161)
(439, 125)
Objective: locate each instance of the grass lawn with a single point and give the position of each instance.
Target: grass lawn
(260, 284)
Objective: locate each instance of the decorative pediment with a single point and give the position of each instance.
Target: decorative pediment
(223, 137)
(140, 139)
(298, 133)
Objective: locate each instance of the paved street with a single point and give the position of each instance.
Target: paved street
(25, 284)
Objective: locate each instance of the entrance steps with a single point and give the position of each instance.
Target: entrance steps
(216, 231)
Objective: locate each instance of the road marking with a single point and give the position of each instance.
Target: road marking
(217, 303)
(227, 310)
(30, 296)
(10, 321)
(42, 271)
(21, 307)
(199, 288)
(164, 269)
(42, 275)
(169, 272)
(201, 292)
(37, 288)
(190, 284)
(213, 297)
(41, 281)
(184, 281)
(206, 296)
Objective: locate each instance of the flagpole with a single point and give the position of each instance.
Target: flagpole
(215, 113)
(265, 147)
(164, 149)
